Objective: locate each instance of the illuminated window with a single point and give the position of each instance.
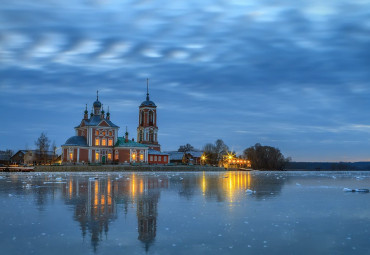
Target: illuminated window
(110, 142)
(97, 156)
(109, 156)
(159, 158)
(141, 157)
(71, 155)
(110, 133)
(104, 142)
(116, 155)
(97, 142)
(103, 132)
(96, 132)
(133, 156)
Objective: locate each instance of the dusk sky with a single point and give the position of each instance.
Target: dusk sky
(290, 74)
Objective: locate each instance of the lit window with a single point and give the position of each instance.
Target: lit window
(104, 142)
(110, 133)
(116, 155)
(109, 156)
(133, 156)
(103, 132)
(97, 156)
(110, 142)
(159, 158)
(96, 132)
(97, 142)
(70, 155)
(141, 157)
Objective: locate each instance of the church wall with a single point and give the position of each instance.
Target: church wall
(123, 155)
(84, 156)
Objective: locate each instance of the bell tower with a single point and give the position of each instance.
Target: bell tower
(147, 130)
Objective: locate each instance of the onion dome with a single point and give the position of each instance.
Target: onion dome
(97, 103)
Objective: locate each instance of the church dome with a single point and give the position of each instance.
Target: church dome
(147, 103)
(97, 103)
(76, 141)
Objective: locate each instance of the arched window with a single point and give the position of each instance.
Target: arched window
(151, 136)
(142, 118)
(150, 117)
(141, 136)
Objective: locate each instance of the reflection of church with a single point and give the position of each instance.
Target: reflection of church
(95, 204)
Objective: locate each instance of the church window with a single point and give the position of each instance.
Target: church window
(110, 142)
(97, 156)
(71, 155)
(165, 158)
(116, 155)
(142, 117)
(110, 133)
(97, 142)
(104, 133)
(150, 118)
(159, 158)
(155, 158)
(96, 132)
(109, 156)
(151, 158)
(133, 156)
(104, 142)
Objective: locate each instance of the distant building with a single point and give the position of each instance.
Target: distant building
(5, 157)
(176, 157)
(193, 157)
(32, 157)
(97, 141)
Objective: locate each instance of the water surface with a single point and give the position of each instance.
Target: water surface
(184, 213)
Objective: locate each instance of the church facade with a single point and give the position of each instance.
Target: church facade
(97, 139)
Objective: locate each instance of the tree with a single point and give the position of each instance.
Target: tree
(185, 148)
(42, 147)
(54, 148)
(215, 152)
(265, 157)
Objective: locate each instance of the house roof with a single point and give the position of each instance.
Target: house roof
(175, 155)
(121, 142)
(95, 121)
(195, 154)
(76, 141)
(154, 152)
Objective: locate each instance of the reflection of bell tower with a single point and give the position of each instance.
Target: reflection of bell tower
(147, 215)
(147, 131)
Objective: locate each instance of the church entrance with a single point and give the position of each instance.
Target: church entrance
(103, 159)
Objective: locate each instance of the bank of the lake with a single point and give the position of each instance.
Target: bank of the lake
(128, 168)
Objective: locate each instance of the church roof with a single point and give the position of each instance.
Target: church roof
(148, 103)
(121, 142)
(95, 120)
(76, 141)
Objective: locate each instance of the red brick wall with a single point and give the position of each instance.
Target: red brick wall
(84, 155)
(154, 159)
(65, 155)
(75, 155)
(123, 155)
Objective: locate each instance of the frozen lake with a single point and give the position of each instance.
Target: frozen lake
(184, 213)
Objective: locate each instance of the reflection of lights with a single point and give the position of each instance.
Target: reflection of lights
(203, 183)
(70, 188)
(133, 185)
(96, 192)
(109, 191)
(141, 186)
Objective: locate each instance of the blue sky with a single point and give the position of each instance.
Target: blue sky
(290, 74)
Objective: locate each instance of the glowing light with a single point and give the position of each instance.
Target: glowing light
(97, 156)
(109, 156)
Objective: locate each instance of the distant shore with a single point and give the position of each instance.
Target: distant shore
(125, 168)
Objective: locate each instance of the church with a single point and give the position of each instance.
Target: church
(97, 139)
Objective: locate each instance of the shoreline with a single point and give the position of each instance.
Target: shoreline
(125, 168)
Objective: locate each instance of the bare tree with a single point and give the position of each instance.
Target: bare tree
(214, 152)
(185, 148)
(42, 145)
